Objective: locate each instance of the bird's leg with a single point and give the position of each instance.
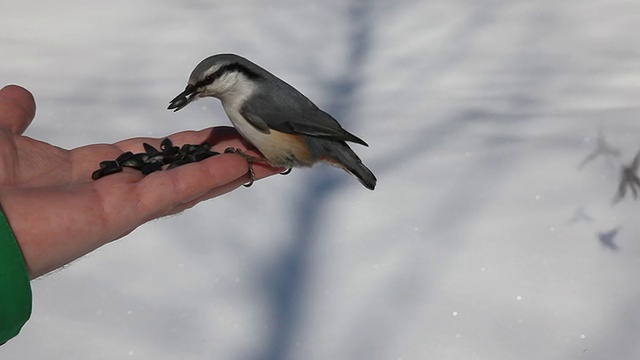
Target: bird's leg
(250, 160)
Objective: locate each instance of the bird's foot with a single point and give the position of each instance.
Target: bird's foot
(250, 160)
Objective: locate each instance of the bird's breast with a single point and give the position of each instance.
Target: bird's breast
(280, 149)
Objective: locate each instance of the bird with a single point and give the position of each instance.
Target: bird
(630, 179)
(603, 148)
(278, 120)
(607, 238)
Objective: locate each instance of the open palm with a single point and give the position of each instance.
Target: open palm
(59, 214)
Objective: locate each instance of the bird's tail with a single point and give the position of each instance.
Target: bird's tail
(342, 156)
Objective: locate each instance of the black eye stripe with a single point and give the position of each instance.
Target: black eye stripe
(234, 67)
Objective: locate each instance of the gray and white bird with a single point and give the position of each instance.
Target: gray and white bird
(283, 124)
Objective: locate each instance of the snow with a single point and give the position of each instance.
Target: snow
(491, 234)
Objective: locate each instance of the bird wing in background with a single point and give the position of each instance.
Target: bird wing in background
(634, 164)
(622, 189)
(580, 215)
(293, 113)
(628, 179)
(607, 238)
(603, 148)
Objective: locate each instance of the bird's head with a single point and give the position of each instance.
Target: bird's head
(221, 76)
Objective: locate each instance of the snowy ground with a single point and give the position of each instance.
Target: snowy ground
(491, 234)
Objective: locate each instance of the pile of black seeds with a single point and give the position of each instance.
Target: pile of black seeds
(153, 159)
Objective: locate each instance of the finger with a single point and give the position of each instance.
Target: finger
(209, 195)
(261, 171)
(17, 108)
(160, 193)
(168, 192)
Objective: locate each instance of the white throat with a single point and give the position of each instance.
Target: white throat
(234, 89)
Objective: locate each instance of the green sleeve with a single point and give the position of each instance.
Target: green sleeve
(15, 288)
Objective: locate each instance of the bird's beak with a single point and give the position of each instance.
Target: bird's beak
(189, 94)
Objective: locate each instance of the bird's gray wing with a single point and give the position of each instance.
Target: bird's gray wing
(293, 113)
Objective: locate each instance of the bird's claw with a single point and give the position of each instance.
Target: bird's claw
(286, 172)
(250, 160)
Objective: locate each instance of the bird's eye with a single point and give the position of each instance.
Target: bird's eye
(209, 79)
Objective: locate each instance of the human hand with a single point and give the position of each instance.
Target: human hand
(58, 213)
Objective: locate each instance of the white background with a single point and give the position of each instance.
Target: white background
(487, 237)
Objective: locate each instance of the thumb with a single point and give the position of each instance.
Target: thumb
(17, 108)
